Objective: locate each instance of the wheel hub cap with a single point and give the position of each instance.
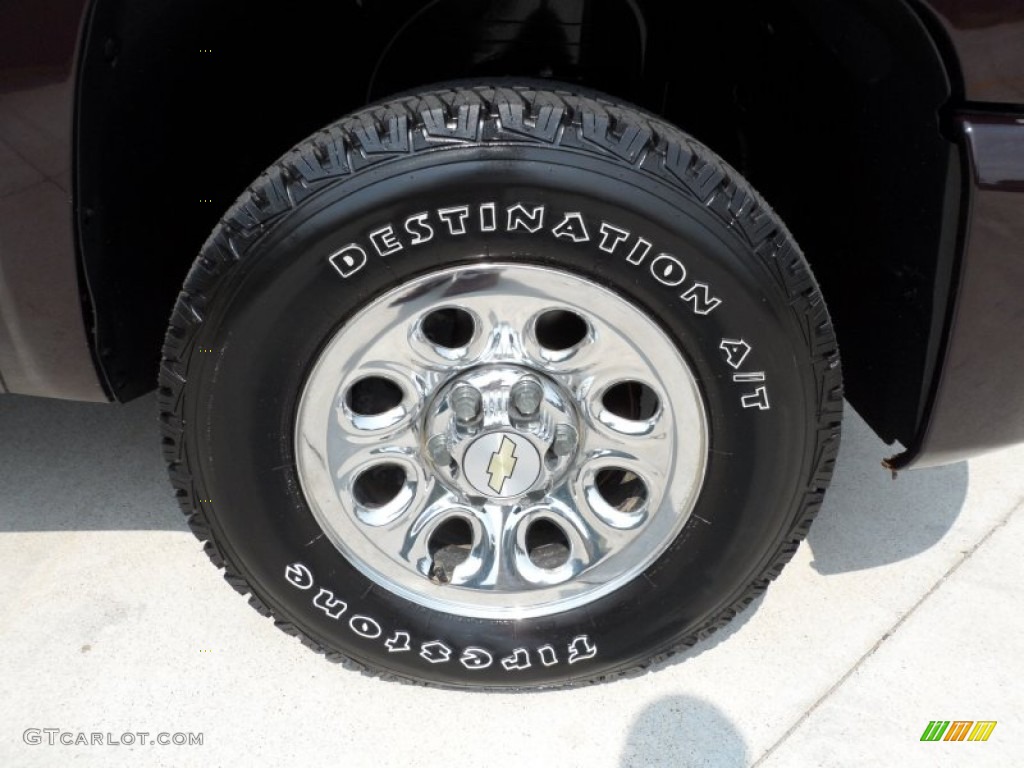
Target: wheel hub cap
(506, 445)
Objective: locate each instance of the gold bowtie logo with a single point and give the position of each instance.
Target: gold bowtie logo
(502, 465)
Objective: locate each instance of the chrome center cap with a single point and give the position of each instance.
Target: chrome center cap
(500, 432)
(501, 464)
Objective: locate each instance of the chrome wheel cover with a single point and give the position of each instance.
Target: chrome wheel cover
(501, 441)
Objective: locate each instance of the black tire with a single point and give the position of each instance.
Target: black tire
(262, 300)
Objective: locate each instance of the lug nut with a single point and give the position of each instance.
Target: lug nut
(466, 402)
(437, 447)
(565, 440)
(526, 396)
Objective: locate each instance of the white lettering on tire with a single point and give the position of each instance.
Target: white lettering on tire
(476, 658)
(329, 604)
(435, 652)
(548, 656)
(699, 295)
(298, 575)
(417, 226)
(736, 353)
(520, 659)
(366, 627)
(398, 642)
(581, 648)
(455, 218)
(746, 378)
(530, 219)
(488, 217)
(611, 236)
(348, 260)
(385, 241)
(640, 250)
(668, 270)
(519, 217)
(572, 227)
(756, 399)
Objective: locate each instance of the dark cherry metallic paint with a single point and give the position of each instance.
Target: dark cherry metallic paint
(996, 144)
(60, 338)
(988, 40)
(979, 399)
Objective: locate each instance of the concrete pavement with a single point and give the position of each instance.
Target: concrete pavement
(904, 606)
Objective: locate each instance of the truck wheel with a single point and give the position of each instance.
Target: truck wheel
(500, 387)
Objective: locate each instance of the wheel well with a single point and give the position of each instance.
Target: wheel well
(832, 108)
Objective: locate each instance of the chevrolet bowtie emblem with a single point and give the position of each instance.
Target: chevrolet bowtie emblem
(502, 464)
